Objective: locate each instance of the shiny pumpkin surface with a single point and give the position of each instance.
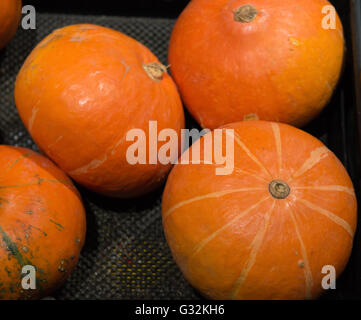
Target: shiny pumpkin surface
(42, 223)
(79, 93)
(10, 14)
(275, 63)
(267, 230)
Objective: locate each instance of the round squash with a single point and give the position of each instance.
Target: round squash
(268, 229)
(10, 14)
(237, 60)
(42, 224)
(82, 90)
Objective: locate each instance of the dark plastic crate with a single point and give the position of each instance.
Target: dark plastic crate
(126, 255)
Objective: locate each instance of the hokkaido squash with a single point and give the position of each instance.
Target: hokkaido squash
(275, 60)
(81, 91)
(267, 230)
(42, 224)
(10, 14)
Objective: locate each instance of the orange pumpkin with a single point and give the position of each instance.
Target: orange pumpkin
(267, 230)
(79, 93)
(10, 14)
(237, 60)
(42, 224)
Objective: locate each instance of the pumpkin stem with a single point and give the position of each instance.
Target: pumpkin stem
(245, 14)
(279, 189)
(155, 70)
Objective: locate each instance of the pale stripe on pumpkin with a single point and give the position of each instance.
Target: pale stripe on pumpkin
(208, 196)
(327, 188)
(315, 157)
(256, 246)
(250, 154)
(336, 219)
(201, 245)
(277, 135)
(307, 268)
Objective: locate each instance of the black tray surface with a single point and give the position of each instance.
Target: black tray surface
(126, 255)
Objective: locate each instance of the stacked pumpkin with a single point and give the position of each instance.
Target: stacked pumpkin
(265, 230)
(10, 13)
(289, 209)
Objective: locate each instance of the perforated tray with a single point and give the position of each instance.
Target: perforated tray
(126, 255)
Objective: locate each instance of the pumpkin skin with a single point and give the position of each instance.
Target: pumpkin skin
(282, 66)
(10, 14)
(42, 223)
(80, 92)
(233, 239)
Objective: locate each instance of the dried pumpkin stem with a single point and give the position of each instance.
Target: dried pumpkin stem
(279, 189)
(155, 70)
(245, 14)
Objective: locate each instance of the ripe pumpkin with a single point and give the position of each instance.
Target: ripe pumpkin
(267, 230)
(237, 60)
(42, 223)
(10, 14)
(79, 93)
